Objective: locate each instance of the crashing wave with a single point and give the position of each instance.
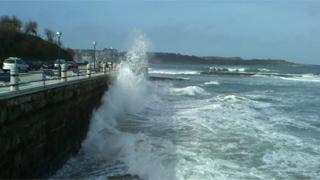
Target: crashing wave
(190, 91)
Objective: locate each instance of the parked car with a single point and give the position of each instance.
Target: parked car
(8, 64)
(47, 65)
(4, 76)
(34, 65)
(72, 65)
(58, 62)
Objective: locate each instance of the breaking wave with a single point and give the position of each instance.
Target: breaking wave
(237, 69)
(212, 83)
(173, 72)
(190, 91)
(303, 78)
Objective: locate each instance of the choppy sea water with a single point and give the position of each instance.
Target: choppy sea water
(262, 126)
(206, 127)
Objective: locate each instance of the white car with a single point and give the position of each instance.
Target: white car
(8, 64)
(59, 62)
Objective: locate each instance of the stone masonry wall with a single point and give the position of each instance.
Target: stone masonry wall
(40, 131)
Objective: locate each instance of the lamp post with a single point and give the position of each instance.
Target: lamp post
(94, 55)
(59, 34)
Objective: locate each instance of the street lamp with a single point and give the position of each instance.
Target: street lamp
(94, 54)
(59, 34)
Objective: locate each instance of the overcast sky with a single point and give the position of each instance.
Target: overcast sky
(249, 29)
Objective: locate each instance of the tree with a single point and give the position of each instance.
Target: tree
(49, 35)
(10, 23)
(31, 27)
(70, 52)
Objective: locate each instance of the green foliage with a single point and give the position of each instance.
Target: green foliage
(8, 23)
(31, 27)
(49, 35)
(29, 47)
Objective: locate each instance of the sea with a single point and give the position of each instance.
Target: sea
(203, 126)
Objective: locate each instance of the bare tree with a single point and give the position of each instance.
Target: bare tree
(31, 27)
(70, 52)
(10, 23)
(49, 35)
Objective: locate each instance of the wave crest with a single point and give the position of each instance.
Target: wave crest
(212, 83)
(173, 72)
(189, 90)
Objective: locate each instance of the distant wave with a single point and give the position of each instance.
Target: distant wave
(173, 71)
(292, 77)
(212, 83)
(237, 69)
(189, 90)
(303, 78)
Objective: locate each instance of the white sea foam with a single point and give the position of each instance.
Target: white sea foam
(173, 71)
(211, 123)
(263, 69)
(303, 78)
(238, 69)
(212, 83)
(190, 90)
(221, 136)
(129, 94)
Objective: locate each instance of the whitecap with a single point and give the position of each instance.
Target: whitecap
(173, 72)
(303, 78)
(190, 90)
(212, 83)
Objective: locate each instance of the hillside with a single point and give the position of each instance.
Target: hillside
(172, 58)
(28, 47)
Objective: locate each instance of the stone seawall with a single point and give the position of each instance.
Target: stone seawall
(39, 131)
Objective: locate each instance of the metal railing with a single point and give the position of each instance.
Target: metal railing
(45, 78)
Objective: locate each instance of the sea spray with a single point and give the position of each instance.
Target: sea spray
(130, 94)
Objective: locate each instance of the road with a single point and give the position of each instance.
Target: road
(33, 79)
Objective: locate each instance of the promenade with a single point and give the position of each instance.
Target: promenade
(48, 78)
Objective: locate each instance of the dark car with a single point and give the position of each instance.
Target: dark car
(4, 76)
(34, 65)
(72, 65)
(47, 66)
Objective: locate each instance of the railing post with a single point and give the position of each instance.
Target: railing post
(78, 73)
(64, 72)
(99, 66)
(109, 66)
(104, 68)
(88, 70)
(14, 78)
(44, 78)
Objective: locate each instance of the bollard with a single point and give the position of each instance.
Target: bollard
(88, 70)
(109, 66)
(114, 67)
(104, 68)
(59, 70)
(64, 72)
(14, 78)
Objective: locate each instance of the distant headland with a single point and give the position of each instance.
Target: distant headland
(172, 58)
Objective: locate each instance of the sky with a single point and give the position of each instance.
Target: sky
(276, 29)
